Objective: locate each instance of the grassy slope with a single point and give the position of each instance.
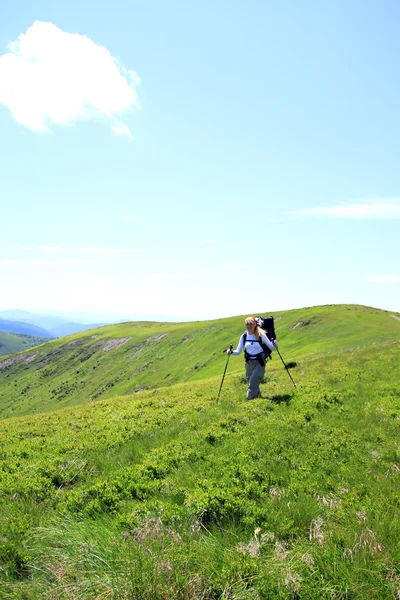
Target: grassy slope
(77, 370)
(161, 495)
(10, 343)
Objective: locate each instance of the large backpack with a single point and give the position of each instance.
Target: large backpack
(267, 324)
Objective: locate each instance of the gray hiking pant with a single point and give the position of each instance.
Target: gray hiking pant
(254, 375)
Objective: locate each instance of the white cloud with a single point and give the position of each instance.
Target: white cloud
(111, 251)
(384, 279)
(51, 77)
(122, 130)
(378, 210)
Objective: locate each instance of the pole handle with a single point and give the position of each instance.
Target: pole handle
(230, 348)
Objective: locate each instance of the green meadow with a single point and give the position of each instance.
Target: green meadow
(131, 357)
(121, 477)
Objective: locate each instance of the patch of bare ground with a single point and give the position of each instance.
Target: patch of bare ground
(73, 344)
(208, 330)
(395, 317)
(189, 337)
(62, 350)
(112, 343)
(145, 343)
(17, 360)
(31, 358)
(301, 324)
(48, 358)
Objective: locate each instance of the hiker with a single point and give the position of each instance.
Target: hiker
(254, 355)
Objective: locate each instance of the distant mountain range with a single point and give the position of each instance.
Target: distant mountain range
(23, 328)
(45, 326)
(11, 343)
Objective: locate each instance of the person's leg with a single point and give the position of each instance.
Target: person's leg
(249, 369)
(256, 376)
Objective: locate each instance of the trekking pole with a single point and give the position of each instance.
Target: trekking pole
(223, 377)
(276, 348)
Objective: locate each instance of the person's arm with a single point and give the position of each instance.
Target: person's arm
(240, 346)
(268, 342)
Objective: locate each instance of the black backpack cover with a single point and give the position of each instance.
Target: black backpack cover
(267, 323)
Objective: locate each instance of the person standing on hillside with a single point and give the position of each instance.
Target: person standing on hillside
(252, 340)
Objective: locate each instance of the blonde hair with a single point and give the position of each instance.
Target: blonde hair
(258, 332)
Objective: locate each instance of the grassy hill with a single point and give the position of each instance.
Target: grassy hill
(130, 357)
(11, 343)
(166, 494)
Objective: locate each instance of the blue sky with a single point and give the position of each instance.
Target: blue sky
(187, 161)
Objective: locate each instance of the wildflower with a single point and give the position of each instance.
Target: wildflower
(253, 547)
(292, 582)
(316, 531)
(281, 550)
(308, 559)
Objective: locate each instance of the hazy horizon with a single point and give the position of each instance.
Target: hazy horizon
(95, 318)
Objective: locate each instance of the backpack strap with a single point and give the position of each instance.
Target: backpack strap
(261, 360)
(247, 355)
